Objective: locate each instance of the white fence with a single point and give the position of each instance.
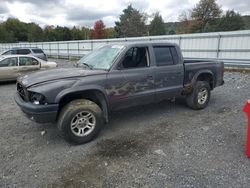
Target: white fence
(227, 46)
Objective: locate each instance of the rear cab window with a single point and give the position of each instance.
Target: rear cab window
(165, 55)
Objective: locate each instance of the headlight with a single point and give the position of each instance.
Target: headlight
(37, 98)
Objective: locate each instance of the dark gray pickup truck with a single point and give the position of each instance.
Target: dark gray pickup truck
(112, 77)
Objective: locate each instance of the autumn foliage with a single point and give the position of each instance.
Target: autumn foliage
(99, 30)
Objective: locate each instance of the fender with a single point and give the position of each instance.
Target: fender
(67, 91)
(197, 74)
(72, 90)
(189, 86)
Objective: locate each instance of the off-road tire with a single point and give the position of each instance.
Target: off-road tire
(192, 99)
(70, 110)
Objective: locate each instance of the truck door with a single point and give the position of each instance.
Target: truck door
(133, 83)
(169, 72)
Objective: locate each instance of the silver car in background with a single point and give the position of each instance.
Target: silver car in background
(37, 52)
(12, 66)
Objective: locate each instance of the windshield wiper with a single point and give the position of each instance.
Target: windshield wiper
(88, 65)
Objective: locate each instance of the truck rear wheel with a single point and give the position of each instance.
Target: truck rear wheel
(80, 121)
(200, 96)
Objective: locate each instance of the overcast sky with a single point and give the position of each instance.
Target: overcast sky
(86, 12)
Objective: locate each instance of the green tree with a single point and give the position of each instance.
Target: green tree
(19, 29)
(49, 34)
(171, 32)
(110, 32)
(6, 36)
(62, 33)
(231, 21)
(205, 12)
(34, 33)
(76, 34)
(131, 24)
(157, 26)
(87, 33)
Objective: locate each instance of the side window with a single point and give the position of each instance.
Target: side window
(9, 62)
(13, 51)
(163, 55)
(136, 57)
(7, 53)
(37, 51)
(174, 55)
(23, 51)
(27, 61)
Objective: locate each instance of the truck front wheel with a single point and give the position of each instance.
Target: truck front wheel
(199, 97)
(80, 121)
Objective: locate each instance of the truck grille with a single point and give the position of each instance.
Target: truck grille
(22, 91)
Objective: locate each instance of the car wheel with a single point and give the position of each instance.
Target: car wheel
(80, 121)
(200, 95)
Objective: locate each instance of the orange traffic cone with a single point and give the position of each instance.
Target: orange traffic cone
(247, 110)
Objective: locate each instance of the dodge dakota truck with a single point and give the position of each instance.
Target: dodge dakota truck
(80, 99)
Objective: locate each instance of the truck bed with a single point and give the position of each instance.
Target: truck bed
(192, 66)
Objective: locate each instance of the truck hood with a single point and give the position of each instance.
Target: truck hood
(55, 74)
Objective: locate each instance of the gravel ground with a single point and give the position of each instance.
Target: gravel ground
(158, 145)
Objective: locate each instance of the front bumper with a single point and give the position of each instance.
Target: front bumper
(38, 113)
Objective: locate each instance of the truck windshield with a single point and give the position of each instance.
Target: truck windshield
(101, 58)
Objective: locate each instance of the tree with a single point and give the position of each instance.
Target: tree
(110, 32)
(187, 25)
(49, 33)
(231, 21)
(6, 36)
(62, 33)
(157, 26)
(76, 33)
(17, 28)
(34, 33)
(98, 32)
(131, 24)
(171, 32)
(205, 12)
(87, 33)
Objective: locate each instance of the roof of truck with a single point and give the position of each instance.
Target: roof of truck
(150, 42)
(128, 44)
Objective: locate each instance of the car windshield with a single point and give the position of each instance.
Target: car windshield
(101, 58)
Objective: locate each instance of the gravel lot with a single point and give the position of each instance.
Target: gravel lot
(159, 145)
